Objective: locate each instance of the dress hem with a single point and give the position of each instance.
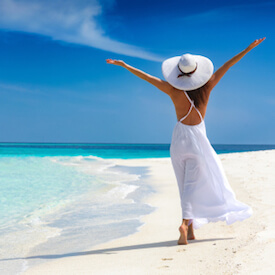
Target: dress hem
(229, 218)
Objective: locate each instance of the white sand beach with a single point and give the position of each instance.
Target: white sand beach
(246, 247)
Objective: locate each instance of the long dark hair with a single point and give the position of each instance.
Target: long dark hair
(198, 95)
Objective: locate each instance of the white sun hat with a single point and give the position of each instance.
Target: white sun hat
(187, 72)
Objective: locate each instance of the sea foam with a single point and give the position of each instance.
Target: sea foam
(57, 205)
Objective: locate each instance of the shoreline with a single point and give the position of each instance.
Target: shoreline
(220, 248)
(66, 226)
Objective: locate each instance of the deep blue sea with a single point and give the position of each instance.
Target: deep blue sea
(57, 199)
(110, 150)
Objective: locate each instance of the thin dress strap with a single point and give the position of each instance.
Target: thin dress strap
(190, 109)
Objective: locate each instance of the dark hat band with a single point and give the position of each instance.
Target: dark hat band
(187, 74)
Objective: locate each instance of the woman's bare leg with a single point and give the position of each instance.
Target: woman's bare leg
(183, 232)
(190, 233)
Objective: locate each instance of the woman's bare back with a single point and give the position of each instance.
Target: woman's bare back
(182, 105)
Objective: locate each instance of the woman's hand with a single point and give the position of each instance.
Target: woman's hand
(160, 84)
(255, 43)
(216, 77)
(116, 62)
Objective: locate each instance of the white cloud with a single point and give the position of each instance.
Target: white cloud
(72, 21)
(10, 88)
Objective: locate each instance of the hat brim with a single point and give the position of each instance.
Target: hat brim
(200, 77)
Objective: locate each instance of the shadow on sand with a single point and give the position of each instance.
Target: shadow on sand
(115, 249)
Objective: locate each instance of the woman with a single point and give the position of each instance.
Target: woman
(205, 193)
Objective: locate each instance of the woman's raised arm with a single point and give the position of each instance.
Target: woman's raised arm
(216, 77)
(159, 83)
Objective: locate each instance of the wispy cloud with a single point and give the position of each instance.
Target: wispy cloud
(24, 89)
(72, 21)
(17, 88)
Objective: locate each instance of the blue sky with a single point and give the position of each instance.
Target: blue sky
(55, 85)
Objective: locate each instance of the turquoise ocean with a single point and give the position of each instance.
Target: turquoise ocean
(58, 200)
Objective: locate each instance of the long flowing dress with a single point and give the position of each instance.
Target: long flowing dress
(205, 193)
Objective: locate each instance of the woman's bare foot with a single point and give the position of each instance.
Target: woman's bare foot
(183, 234)
(190, 233)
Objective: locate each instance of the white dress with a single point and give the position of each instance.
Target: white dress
(205, 193)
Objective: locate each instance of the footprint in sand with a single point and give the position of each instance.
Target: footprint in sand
(165, 266)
